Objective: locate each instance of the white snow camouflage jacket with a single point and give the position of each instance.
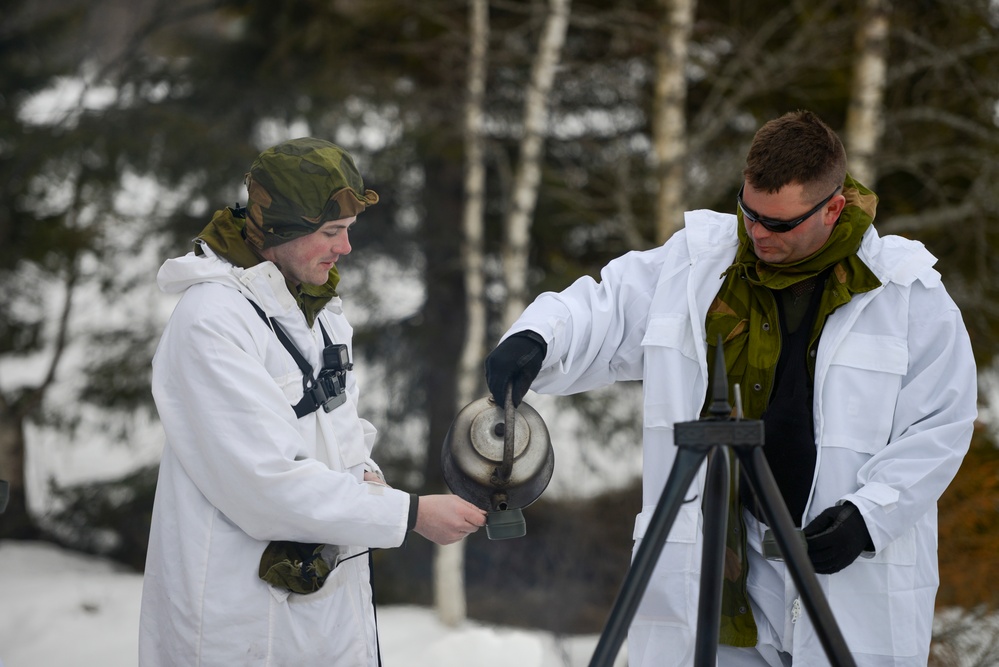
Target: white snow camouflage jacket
(240, 470)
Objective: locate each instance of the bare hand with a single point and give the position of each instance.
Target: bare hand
(374, 478)
(445, 518)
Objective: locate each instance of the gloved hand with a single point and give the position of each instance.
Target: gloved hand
(836, 537)
(517, 359)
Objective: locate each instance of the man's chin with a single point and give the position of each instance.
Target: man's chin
(768, 255)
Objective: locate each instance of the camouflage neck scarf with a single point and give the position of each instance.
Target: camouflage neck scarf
(224, 235)
(841, 246)
(744, 313)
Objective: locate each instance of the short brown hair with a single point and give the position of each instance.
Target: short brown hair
(795, 148)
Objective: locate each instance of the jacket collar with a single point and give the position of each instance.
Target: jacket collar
(263, 283)
(713, 236)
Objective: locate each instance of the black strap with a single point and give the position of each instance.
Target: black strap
(309, 403)
(374, 608)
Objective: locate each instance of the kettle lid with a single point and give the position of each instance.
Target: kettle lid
(474, 455)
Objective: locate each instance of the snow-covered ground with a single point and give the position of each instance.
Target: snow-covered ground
(61, 609)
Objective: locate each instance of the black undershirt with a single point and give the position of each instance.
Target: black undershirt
(788, 421)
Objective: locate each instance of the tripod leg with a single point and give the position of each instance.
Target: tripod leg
(795, 555)
(716, 490)
(685, 466)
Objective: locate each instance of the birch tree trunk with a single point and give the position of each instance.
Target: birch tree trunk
(449, 561)
(864, 118)
(524, 197)
(14, 413)
(669, 121)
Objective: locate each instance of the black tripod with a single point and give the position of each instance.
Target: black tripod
(715, 437)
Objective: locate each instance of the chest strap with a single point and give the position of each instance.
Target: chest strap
(328, 389)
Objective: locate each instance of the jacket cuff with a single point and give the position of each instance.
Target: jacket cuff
(414, 506)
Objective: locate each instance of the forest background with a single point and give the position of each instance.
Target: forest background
(517, 145)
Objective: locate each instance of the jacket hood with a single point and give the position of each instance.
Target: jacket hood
(263, 283)
(891, 258)
(204, 266)
(898, 260)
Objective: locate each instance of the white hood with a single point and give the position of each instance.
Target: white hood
(264, 284)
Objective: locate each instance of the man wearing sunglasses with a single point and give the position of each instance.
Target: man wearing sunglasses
(847, 346)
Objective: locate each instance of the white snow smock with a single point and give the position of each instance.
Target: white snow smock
(240, 470)
(894, 406)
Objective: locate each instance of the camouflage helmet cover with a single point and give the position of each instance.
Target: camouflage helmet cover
(299, 185)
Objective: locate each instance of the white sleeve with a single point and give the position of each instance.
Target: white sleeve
(594, 330)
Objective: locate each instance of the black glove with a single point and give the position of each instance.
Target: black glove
(836, 537)
(517, 359)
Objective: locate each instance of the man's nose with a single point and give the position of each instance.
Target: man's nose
(342, 244)
(757, 231)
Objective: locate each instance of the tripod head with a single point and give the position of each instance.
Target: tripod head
(720, 407)
(720, 429)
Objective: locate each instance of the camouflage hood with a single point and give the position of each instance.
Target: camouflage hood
(297, 186)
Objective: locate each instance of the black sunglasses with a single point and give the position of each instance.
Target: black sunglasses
(779, 226)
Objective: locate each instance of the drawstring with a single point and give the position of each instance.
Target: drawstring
(374, 608)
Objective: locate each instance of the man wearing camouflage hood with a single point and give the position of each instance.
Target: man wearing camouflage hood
(268, 502)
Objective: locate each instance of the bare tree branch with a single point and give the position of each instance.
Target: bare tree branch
(528, 174)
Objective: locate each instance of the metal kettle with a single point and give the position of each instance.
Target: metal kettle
(498, 459)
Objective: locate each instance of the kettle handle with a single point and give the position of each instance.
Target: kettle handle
(501, 475)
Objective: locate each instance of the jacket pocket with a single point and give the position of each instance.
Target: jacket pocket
(684, 528)
(670, 598)
(671, 369)
(860, 391)
(333, 626)
(900, 552)
(346, 571)
(671, 330)
(876, 603)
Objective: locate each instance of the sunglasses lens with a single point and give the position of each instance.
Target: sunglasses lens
(781, 226)
(778, 227)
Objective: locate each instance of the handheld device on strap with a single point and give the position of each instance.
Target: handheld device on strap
(329, 388)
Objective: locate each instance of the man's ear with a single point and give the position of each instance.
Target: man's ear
(833, 209)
